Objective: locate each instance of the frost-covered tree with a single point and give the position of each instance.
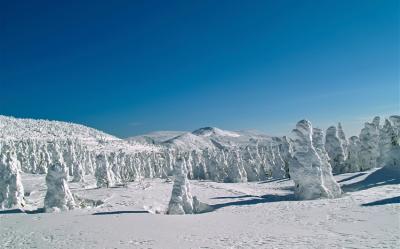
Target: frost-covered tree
(286, 150)
(236, 171)
(306, 168)
(369, 145)
(343, 140)
(78, 173)
(58, 196)
(278, 165)
(11, 189)
(389, 147)
(331, 186)
(352, 163)
(182, 201)
(104, 175)
(335, 151)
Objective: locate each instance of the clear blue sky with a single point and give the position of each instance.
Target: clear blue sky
(130, 67)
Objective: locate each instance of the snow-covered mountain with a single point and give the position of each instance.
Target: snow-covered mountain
(202, 138)
(38, 129)
(37, 144)
(209, 137)
(231, 156)
(211, 153)
(21, 128)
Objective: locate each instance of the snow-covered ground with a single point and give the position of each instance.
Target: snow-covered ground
(246, 215)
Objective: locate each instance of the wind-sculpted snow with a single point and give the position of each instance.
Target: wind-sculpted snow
(11, 189)
(310, 169)
(58, 196)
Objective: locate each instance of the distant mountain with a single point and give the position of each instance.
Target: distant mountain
(212, 137)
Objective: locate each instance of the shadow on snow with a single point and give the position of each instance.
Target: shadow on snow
(20, 211)
(380, 177)
(392, 200)
(232, 197)
(352, 177)
(121, 212)
(275, 180)
(255, 200)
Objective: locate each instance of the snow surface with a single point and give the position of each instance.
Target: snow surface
(247, 215)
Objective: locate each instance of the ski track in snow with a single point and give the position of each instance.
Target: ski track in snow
(243, 218)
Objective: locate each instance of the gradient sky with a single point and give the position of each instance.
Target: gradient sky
(130, 67)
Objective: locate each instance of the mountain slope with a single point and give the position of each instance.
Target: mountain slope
(21, 128)
(38, 129)
(212, 137)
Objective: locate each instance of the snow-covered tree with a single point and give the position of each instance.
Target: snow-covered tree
(333, 147)
(182, 201)
(369, 145)
(236, 171)
(330, 184)
(389, 147)
(343, 140)
(58, 196)
(104, 175)
(286, 150)
(11, 189)
(78, 173)
(352, 163)
(307, 170)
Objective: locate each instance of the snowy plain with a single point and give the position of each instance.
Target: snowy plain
(247, 215)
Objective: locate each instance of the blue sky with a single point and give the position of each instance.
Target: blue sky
(130, 67)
